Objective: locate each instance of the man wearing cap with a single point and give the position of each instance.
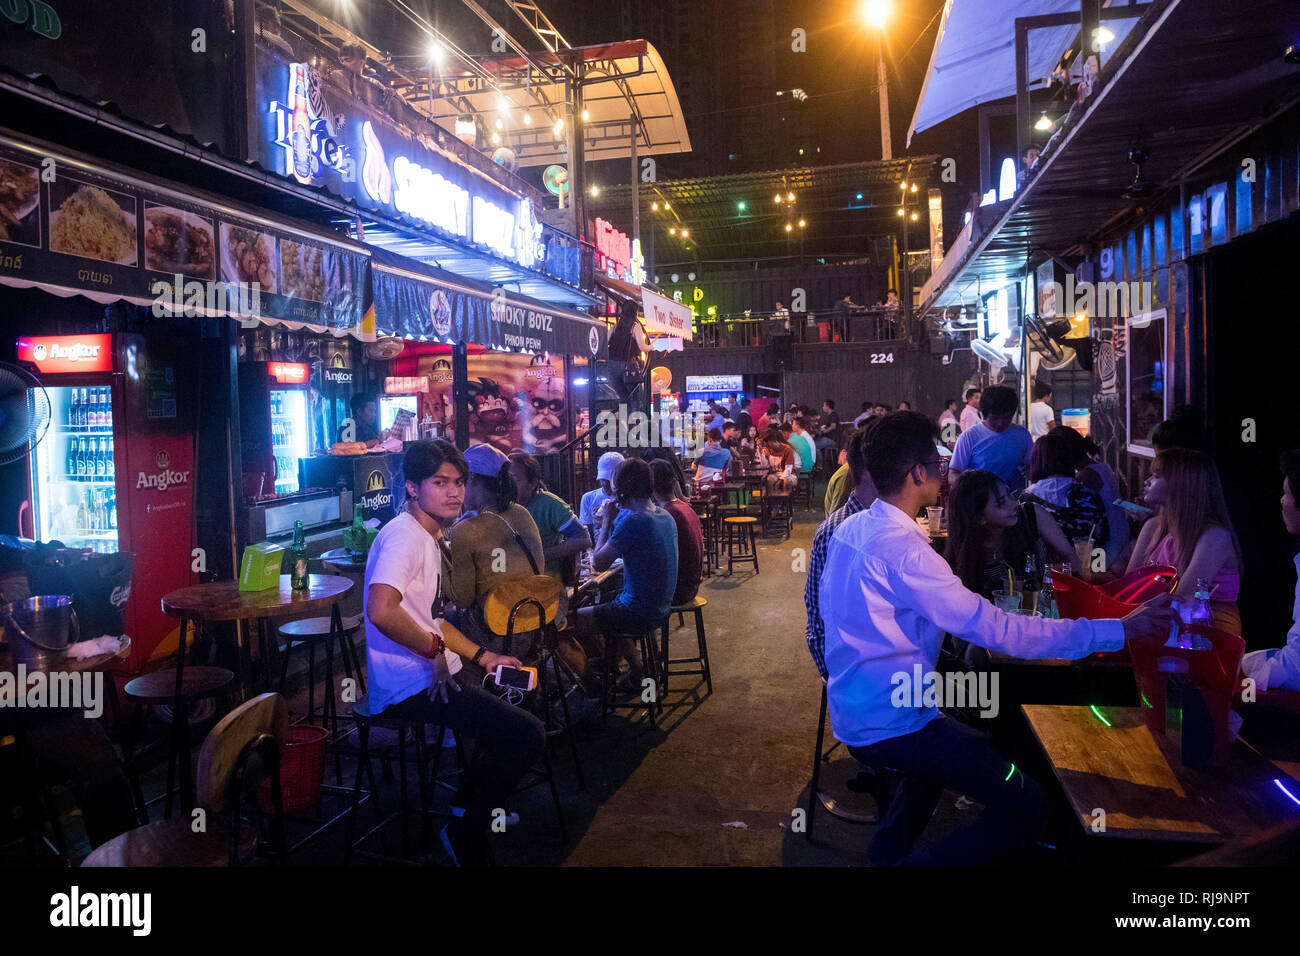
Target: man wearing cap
(593, 501)
(494, 544)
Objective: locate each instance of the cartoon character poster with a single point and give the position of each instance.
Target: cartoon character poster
(513, 401)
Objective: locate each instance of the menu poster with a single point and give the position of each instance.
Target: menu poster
(93, 232)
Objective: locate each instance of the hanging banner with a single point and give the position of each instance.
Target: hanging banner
(110, 236)
(452, 310)
(663, 316)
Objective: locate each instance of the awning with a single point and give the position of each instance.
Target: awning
(418, 301)
(974, 59)
(621, 81)
(114, 235)
(1232, 81)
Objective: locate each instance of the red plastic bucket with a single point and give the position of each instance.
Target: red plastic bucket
(302, 769)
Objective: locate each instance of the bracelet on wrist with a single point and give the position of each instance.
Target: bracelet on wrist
(478, 655)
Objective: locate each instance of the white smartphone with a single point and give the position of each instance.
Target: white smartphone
(523, 678)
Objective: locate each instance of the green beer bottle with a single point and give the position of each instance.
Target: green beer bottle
(298, 559)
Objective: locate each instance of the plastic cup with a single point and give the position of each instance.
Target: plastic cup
(934, 517)
(1008, 601)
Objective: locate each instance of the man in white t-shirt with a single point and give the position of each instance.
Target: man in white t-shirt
(594, 500)
(412, 655)
(1042, 419)
(970, 415)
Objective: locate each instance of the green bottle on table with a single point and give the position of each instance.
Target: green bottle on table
(298, 559)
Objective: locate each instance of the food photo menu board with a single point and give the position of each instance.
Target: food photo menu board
(68, 226)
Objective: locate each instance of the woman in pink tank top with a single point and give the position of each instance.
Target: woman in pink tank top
(1192, 531)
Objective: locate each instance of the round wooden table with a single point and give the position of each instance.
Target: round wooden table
(223, 601)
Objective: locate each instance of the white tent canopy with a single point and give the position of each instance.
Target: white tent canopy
(974, 58)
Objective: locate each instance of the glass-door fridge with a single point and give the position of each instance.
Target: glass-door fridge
(74, 471)
(275, 425)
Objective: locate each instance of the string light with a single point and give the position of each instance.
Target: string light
(802, 223)
(788, 227)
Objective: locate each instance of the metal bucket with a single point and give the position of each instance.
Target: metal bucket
(39, 629)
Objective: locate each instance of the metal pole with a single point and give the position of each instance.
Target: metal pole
(636, 192)
(886, 148)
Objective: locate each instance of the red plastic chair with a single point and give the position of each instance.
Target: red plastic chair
(1215, 672)
(1143, 584)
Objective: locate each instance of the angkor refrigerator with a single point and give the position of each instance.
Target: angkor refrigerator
(115, 472)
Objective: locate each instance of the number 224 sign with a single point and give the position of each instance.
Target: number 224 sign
(882, 358)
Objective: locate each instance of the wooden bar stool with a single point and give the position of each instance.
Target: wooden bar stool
(312, 631)
(365, 722)
(645, 638)
(741, 543)
(180, 689)
(258, 726)
(694, 606)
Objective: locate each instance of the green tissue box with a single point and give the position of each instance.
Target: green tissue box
(260, 567)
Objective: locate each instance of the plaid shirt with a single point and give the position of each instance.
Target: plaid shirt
(816, 630)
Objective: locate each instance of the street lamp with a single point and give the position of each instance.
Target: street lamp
(875, 13)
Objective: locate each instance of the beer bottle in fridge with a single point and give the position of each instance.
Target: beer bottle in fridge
(70, 468)
(109, 469)
(81, 459)
(298, 558)
(72, 411)
(101, 455)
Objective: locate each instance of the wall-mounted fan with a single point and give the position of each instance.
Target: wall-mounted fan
(385, 348)
(996, 358)
(24, 412)
(1053, 342)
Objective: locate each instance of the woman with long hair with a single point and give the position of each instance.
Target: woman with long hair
(1192, 531)
(992, 538)
(990, 534)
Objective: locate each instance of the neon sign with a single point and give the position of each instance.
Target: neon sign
(307, 139)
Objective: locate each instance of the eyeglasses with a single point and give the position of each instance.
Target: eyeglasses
(941, 462)
(555, 404)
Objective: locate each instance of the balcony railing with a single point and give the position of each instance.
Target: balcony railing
(805, 328)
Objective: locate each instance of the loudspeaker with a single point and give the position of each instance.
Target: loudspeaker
(940, 344)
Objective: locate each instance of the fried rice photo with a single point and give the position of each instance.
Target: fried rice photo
(91, 224)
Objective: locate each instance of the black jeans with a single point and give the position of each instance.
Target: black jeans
(507, 741)
(948, 754)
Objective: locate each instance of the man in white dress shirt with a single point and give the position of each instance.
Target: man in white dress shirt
(886, 600)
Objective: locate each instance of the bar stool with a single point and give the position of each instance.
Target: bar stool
(537, 615)
(741, 544)
(546, 651)
(645, 637)
(160, 687)
(803, 490)
(365, 721)
(696, 607)
(311, 631)
(778, 511)
(879, 785)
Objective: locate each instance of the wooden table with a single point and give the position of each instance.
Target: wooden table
(1137, 778)
(223, 601)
